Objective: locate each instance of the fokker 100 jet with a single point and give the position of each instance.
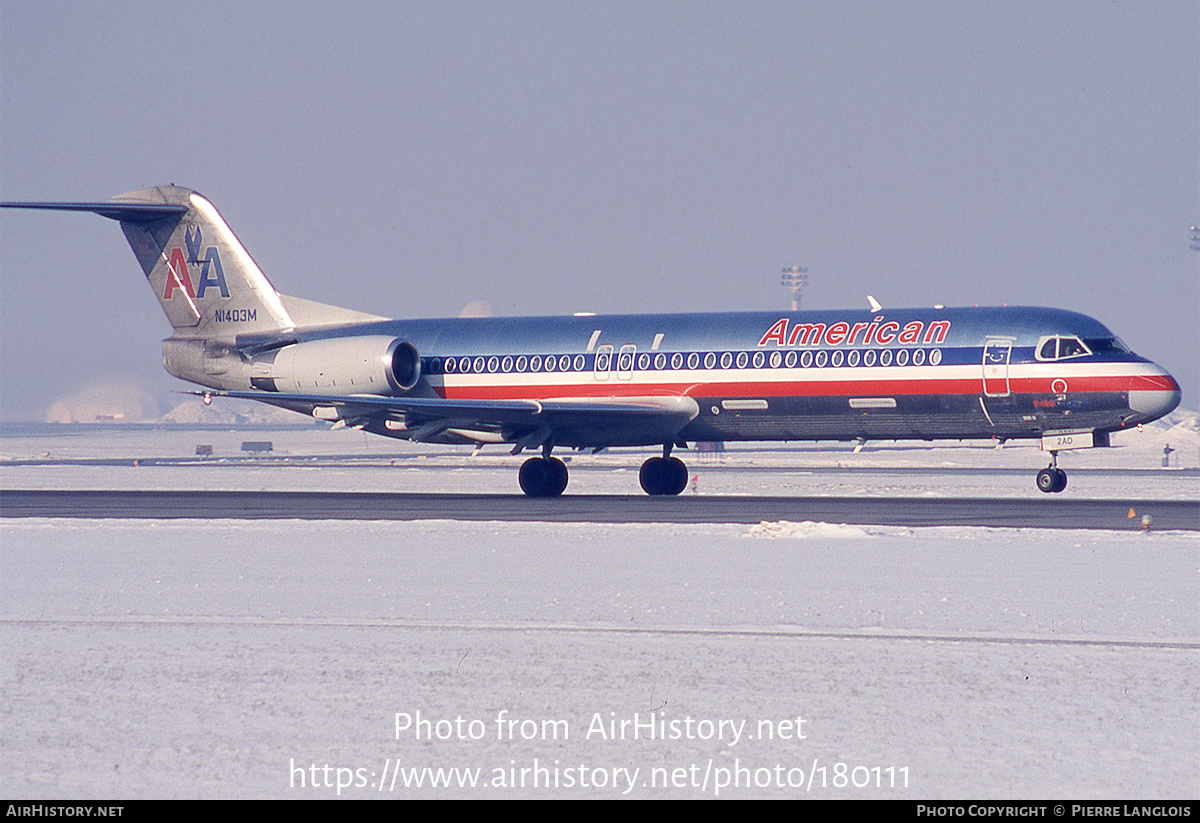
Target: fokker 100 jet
(593, 382)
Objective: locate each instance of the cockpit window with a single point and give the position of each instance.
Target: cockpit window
(1061, 348)
(1071, 347)
(1105, 344)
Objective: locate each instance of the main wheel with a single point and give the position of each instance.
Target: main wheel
(679, 475)
(663, 476)
(558, 476)
(543, 477)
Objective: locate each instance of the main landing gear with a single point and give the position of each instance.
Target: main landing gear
(546, 476)
(543, 477)
(664, 475)
(1052, 479)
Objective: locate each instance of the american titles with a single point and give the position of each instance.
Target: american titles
(879, 331)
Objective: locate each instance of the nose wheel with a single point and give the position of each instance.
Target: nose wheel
(1052, 479)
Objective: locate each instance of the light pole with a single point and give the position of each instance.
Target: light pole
(795, 278)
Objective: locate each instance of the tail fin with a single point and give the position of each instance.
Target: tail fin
(205, 281)
(202, 276)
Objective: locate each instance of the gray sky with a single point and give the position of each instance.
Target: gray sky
(551, 157)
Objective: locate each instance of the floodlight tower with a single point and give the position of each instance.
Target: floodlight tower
(795, 278)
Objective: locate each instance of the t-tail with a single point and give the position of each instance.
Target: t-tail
(204, 279)
(214, 295)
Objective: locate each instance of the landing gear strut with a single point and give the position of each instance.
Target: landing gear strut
(664, 475)
(1052, 479)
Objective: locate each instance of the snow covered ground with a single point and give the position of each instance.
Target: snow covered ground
(323, 659)
(310, 458)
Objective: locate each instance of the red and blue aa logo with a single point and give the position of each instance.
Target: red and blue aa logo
(179, 275)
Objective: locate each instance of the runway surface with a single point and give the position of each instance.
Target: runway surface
(1047, 512)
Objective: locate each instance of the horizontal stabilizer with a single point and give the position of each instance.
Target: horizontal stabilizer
(126, 212)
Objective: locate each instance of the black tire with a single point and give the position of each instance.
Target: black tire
(1047, 480)
(1060, 481)
(679, 475)
(663, 476)
(540, 477)
(558, 476)
(651, 476)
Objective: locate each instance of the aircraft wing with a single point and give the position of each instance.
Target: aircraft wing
(583, 422)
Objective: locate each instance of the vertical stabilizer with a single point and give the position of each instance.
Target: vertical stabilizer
(205, 281)
(203, 277)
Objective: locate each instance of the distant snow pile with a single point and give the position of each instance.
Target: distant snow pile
(104, 403)
(806, 529)
(1181, 424)
(230, 413)
(1179, 430)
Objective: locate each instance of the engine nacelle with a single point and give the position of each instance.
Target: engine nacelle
(341, 365)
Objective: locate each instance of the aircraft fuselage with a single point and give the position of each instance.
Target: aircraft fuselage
(595, 381)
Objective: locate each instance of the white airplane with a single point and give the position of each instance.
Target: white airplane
(591, 382)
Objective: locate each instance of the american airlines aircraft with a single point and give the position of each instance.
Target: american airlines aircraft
(595, 381)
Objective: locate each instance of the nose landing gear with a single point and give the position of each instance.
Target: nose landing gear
(1052, 479)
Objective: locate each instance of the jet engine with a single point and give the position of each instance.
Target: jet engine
(341, 365)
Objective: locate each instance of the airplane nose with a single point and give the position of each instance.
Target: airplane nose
(1153, 393)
